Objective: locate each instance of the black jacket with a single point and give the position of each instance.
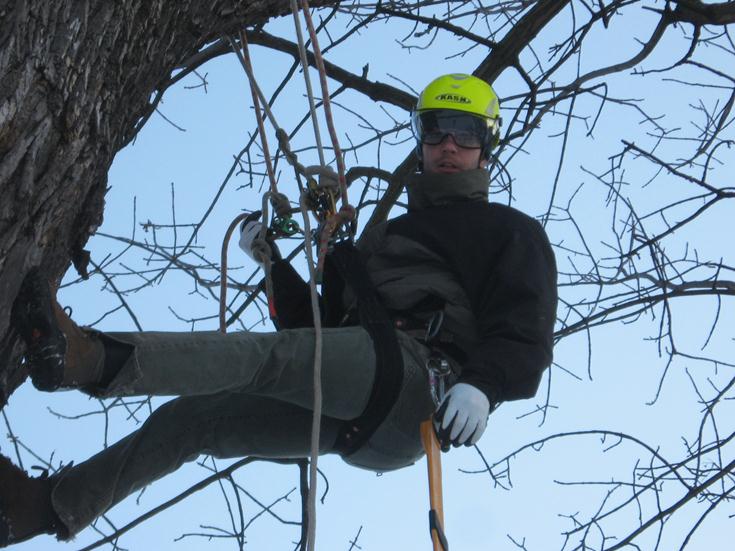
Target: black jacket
(490, 267)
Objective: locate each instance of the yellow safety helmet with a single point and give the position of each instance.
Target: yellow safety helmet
(466, 94)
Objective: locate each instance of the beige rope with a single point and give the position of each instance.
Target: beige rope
(262, 249)
(223, 271)
(307, 80)
(326, 102)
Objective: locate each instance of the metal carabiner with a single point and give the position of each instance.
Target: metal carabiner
(285, 226)
(434, 326)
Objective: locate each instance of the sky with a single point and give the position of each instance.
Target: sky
(167, 165)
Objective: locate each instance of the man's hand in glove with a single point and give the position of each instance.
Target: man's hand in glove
(251, 245)
(462, 416)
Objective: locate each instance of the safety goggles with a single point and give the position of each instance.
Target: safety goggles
(467, 131)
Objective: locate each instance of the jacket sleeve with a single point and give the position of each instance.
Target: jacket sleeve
(514, 297)
(291, 297)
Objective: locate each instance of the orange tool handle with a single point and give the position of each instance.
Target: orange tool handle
(434, 464)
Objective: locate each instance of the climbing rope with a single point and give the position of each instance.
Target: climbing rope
(334, 220)
(319, 197)
(317, 408)
(256, 94)
(326, 102)
(307, 81)
(223, 272)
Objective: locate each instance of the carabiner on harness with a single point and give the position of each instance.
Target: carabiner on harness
(436, 364)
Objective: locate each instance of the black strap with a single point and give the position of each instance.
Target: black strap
(389, 361)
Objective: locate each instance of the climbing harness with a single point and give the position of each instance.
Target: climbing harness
(388, 358)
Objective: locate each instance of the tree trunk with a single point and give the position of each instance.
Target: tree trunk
(75, 77)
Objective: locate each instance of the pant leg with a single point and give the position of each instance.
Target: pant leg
(276, 365)
(224, 425)
(397, 441)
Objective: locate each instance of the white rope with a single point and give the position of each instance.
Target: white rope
(317, 413)
(326, 103)
(262, 249)
(261, 244)
(253, 81)
(244, 58)
(307, 80)
(223, 272)
(283, 140)
(317, 410)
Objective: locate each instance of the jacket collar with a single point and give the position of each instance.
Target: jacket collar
(427, 190)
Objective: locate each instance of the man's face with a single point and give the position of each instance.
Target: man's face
(447, 157)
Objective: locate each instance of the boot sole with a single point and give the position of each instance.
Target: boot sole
(33, 318)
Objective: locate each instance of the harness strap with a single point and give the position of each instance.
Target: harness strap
(388, 359)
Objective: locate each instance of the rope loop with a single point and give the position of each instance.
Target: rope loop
(327, 175)
(281, 204)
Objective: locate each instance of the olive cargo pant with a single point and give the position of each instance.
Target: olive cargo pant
(242, 394)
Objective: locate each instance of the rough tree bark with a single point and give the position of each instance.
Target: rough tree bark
(75, 77)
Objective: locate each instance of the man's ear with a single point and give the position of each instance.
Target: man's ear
(483, 164)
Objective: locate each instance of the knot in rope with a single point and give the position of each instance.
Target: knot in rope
(281, 204)
(347, 213)
(261, 251)
(285, 144)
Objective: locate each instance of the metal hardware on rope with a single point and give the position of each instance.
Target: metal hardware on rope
(326, 101)
(283, 225)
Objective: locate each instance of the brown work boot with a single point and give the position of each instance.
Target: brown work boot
(59, 353)
(25, 505)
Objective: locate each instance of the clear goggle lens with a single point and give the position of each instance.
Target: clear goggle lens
(468, 131)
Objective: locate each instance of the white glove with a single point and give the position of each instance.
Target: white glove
(462, 416)
(249, 232)
(249, 242)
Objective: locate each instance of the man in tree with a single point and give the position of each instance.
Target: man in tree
(480, 276)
